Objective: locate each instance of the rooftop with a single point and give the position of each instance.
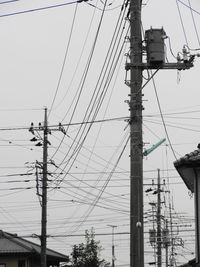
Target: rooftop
(13, 244)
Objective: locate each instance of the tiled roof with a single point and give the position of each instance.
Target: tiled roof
(11, 243)
(193, 157)
(187, 166)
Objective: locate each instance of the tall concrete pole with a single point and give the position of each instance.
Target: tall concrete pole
(136, 140)
(159, 240)
(44, 194)
(113, 245)
(166, 246)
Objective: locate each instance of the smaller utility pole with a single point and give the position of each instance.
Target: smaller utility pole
(166, 243)
(43, 166)
(44, 193)
(159, 238)
(113, 245)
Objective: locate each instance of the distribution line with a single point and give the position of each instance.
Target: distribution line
(163, 121)
(83, 131)
(7, 2)
(182, 24)
(197, 12)
(66, 124)
(38, 9)
(48, 7)
(64, 60)
(194, 23)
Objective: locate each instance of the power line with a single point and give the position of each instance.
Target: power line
(64, 60)
(159, 106)
(38, 9)
(7, 2)
(194, 23)
(66, 124)
(197, 12)
(182, 24)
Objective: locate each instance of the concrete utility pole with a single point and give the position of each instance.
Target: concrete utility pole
(113, 245)
(159, 233)
(44, 193)
(166, 245)
(154, 49)
(43, 166)
(136, 142)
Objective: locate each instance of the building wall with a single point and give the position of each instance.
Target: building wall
(14, 262)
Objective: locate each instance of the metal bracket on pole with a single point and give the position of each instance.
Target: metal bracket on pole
(164, 66)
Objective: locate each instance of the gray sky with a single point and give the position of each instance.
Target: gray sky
(33, 48)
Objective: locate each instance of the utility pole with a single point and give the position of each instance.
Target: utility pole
(166, 244)
(154, 49)
(159, 234)
(43, 166)
(136, 141)
(113, 245)
(44, 193)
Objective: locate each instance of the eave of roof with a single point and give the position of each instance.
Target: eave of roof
(11, 243)
(187, 167)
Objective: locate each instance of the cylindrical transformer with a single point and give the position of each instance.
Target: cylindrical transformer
(155, 46)
(165, 237)
(152, 236)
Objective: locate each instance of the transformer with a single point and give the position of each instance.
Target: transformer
(152, 236)
(165, 237)
(155, 46)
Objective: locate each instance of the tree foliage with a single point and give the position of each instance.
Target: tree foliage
(88, 254)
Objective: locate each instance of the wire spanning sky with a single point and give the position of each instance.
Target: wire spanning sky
(70, 56)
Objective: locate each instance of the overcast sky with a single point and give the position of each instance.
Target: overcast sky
(51, 53)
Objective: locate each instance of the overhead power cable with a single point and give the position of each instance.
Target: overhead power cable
(194, 23)
(65, 124)
(84, 218)
(173, 126)
(7, 2)
(182, 24)
(38, 9)
(92, 110)
(47, 7)
(159, 106)
(81, 130)
(197, 12)
(93, 203)
(87, 184)
(76, 68)
(64, 61)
